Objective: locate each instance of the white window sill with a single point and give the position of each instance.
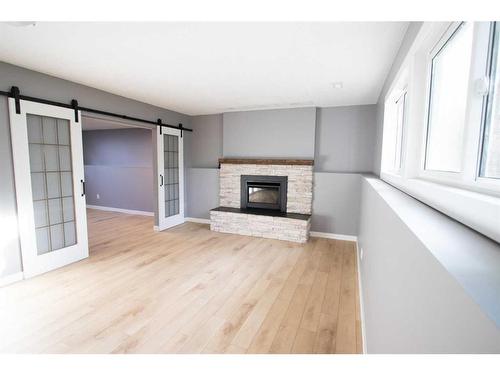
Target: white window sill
(472, 259)
(479, 211)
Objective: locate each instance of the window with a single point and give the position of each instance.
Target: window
(395, 117)
(447, 103)
(443, 145)
(490, 161)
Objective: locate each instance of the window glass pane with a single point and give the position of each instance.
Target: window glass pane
(69, 233)
(490, 163)
(42, 240)
(41, 214)
(49, 130)
(57, 236)
(448, 99)
(36, 158)
(55, 211)
(34, 129)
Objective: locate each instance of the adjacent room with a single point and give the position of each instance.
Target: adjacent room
(250, 188)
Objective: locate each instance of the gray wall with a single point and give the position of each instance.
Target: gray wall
(205, 143)
(41, 85)
(344, 139)
(203, 191)
(202, 161)
(336, 203)
(428, 283)
(279, 133)
(119, 167)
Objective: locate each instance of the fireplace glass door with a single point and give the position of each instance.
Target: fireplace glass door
(264, 192)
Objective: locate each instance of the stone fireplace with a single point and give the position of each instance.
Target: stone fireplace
(265, 198)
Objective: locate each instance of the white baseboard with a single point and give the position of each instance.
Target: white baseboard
(361, 304)
(122, 210)
(6, 280)
(197, 220)
(334, 236)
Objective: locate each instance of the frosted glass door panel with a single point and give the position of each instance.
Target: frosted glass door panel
(51, 182)
(171, 174)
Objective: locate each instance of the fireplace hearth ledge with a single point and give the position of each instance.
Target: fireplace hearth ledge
(281, 226)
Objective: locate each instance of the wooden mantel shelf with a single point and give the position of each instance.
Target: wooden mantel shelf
(267, 161)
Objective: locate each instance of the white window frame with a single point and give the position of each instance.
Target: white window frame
(468, 178)
(472, 200)
(487, 182)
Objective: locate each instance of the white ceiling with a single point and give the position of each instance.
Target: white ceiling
(201, 68)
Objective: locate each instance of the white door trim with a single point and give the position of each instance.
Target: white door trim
(34, 264)
(168, 222)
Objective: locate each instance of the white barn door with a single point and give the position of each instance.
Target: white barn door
(170, 177)
(48, 167)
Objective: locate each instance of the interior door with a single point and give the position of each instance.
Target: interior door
(170, 177)
(48, 168)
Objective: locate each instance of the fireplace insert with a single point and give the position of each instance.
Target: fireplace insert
(264, 192)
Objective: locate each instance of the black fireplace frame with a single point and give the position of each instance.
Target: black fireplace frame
(282, 182)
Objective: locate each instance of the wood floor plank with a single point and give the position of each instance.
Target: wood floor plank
(346, 324)
(187, 290)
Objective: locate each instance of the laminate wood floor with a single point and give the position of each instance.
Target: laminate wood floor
(187, 290)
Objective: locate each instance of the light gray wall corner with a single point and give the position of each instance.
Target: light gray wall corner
(277, 133)
(416, 301)
(345, 139)
(336, 203)
(203, 191)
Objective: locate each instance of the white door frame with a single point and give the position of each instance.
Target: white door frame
(168, 222)
(34, 264)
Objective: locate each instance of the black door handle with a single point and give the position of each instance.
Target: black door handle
(161, 183)
(83, 187)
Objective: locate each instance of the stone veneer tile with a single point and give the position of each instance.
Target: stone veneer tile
(300, 184)
(260, 226)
